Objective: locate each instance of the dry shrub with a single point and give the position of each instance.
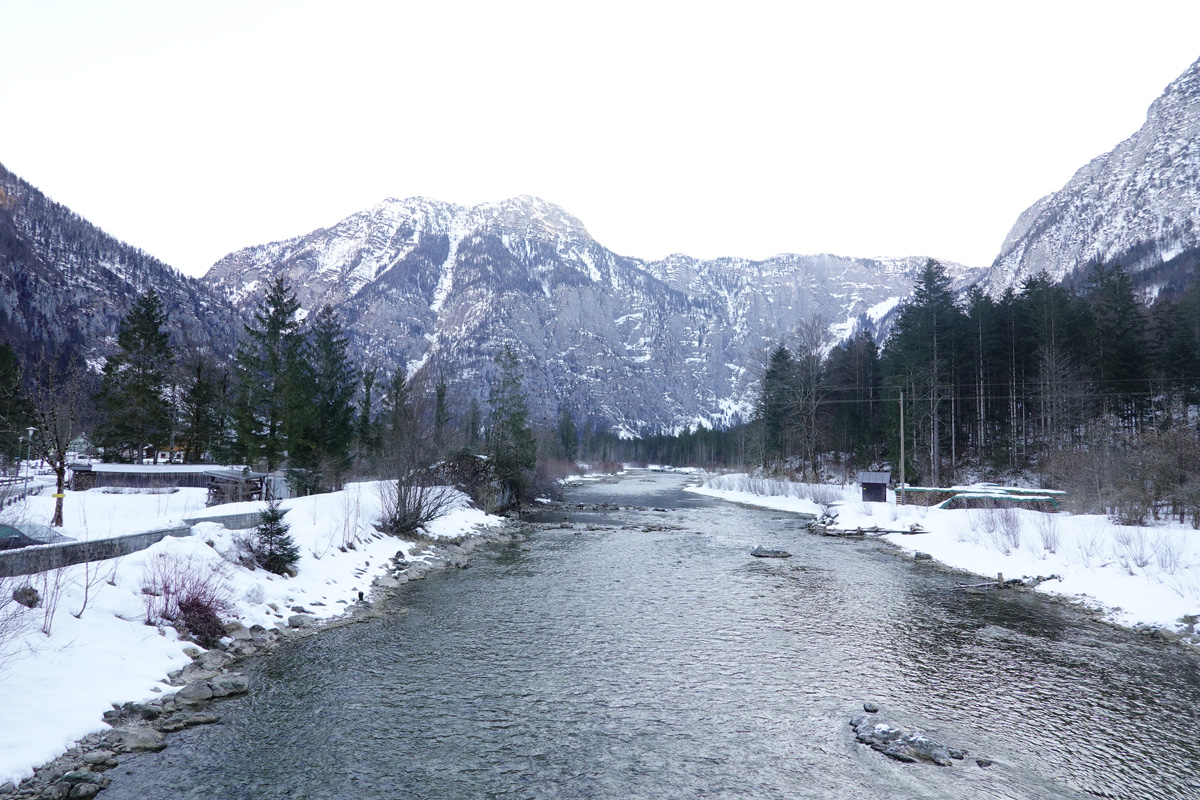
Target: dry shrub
(1131, 549)
(15, 617)
(185, 592)
(1088, 545)
(408, 505)
(1047, 528)
(1169, 549)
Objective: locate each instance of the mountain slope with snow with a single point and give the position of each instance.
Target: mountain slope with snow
(1138, 205)
(639, 345)
(65, 284)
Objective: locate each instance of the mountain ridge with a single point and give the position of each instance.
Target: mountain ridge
(1138, 205)
(420, 281)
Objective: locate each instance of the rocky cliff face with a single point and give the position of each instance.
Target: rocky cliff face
(1138, 205)
(65, 284)
(640, 345)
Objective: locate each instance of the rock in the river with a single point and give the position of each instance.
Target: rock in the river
(902, 744)
(766, 552)
(870, 707)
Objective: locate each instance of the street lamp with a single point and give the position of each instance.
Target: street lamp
(28, 459)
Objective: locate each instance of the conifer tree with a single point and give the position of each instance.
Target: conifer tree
(134, 410)
(198, 407)
(266, 364)
(568, 434)
(511, 443)
(273, 547)
(15, 412)
(334, 381)
(776, 409)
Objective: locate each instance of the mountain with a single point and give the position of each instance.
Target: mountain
(65, 284)
(636, 344)
(1138, 205)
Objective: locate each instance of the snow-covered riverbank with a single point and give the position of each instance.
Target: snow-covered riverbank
(63, 664)
(1148, 576)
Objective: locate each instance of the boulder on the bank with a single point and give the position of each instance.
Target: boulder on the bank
(227, 685)
(902, 744)
(137, 740)
(300, 621)
(194, 692)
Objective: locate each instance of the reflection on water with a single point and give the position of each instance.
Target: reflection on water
(632, 662)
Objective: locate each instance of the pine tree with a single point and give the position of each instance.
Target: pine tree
(267, 378)
(364, 430)
(926, 351)
(441, 417)
(568, 435)
(273, 547)
(15, 412)
(511, 443)
(1119, 348)
(199, 421)
(331, 394)
(474, 421)
(134, 410)
(776, 410)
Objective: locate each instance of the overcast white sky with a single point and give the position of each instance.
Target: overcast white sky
(749, 129)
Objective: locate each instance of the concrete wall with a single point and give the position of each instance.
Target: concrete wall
(31, 560)
(234, 522)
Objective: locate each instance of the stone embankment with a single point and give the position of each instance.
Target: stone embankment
(188, 694)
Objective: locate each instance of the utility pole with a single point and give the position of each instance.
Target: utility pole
(901, 448)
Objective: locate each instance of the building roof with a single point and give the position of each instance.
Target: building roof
(874, 477)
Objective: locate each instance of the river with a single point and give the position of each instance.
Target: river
(652, 657)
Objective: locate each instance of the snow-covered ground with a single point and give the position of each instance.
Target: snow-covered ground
(71, 659)
(1146, 575)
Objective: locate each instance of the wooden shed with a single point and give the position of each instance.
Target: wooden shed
(874, 486)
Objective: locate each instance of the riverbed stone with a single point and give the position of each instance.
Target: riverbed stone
(137, 740)
(81, 791)
(870, 708)
(194, 692)
(81, 776)
(226, 685)
(214, 660)
(196, 672)
(300, 621)
(182, 721)
(97, 757)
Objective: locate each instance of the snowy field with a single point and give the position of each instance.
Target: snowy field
(1135, 575)
(89, 646)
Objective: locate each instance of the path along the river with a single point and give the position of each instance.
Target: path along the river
(652, 657)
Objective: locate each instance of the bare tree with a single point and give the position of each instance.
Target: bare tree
(58, 398)
(809, 393)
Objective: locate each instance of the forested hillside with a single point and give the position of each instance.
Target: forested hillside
(64, 283)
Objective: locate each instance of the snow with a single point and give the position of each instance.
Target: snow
(1133, 575)
(54, 688)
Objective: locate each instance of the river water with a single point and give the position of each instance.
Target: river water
(654, 658)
